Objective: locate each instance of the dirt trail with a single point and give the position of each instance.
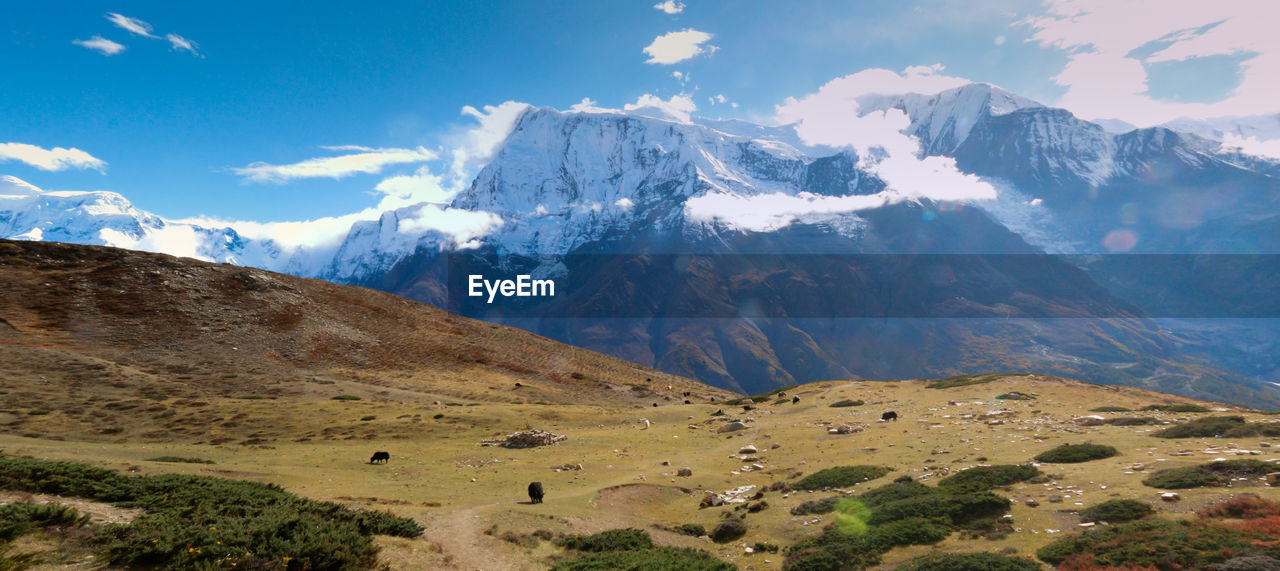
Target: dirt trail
(465, 546)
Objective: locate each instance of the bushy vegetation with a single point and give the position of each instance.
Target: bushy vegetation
(180, 460)
(900, 513)
(1110, 409)
(20, 518)
(846, 403)
(1163, 544)
(346, 397)
(1247, 506)
(983, 478)
(634, 549)
(1015, 395)
(1175, 408)
(762, 397)
(1211, 474)
(693, 529)
(629, 539)
(822, 506)
(1117, 511)
(1224, 426)
(656, 559)
(961, 381)
(840, 477)
(1076, 453)
(202, 522)
(980, 561)
(1121, 421)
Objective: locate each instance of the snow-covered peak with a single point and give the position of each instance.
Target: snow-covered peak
(942, 121)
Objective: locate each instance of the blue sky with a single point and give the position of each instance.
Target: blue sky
(176, 127)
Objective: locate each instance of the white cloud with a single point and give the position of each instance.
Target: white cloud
(101, 45)
(1104, 81)
(718, 99)
(1269, 148)
(180, 43)
(670, 6)
(588, 105)
(463, 226)
(55, 159)
(624, 203)
(476, 145)
(364, 160)
(419, 187)
(676, 47)
(132, 25)
(831, 117)
(677, 108)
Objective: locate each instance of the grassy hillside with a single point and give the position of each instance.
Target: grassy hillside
(471, 498)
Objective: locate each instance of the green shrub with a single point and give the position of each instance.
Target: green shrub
(368, 418)
(1224, 426)
(988, 477)
(728, 530)
(979, 561)
(438, 416)
(830, 550)
(764, 547)
(693, 529)
(346, 397)
(39, 412)
(629, 539)
(1110, 409)
(112, 430)
(1076, 453)
(840, 477)
(1180, 478)
(1163, 544)
(19, 518)
(1117, 511)
(961, 381)
(1015, 395)
(1176, 408)
(846, 403)
(909, 531)
(200, 521)
(656, 559)
(180, 460)
(1211, 474)
(822, 506)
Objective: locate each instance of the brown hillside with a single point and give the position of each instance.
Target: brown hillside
(86, 319)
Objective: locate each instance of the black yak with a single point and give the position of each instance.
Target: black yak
(795, 400)
(891, 415)
(535, 492)
(383, 456)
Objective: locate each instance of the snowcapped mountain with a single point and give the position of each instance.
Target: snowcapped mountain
(646, 181)
(108, 219)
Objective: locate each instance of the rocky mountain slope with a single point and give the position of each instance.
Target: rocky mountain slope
(76, 318)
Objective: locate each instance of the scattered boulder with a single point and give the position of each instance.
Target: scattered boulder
(1032, 503)
(526, 439)
(729, 530)
(1170, 496)
(749, 449)
(731, 427)
(757, 507)
(1273, 479)
(685, 472)
(711, 500)
(1055, 499)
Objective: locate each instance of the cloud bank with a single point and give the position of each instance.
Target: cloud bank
(1110, 44)
(53, 160)
(101, 45)
(365, 160)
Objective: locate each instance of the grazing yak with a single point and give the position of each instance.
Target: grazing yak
(535, 492)
(891, 415)
(380, 456)
(795, 400)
